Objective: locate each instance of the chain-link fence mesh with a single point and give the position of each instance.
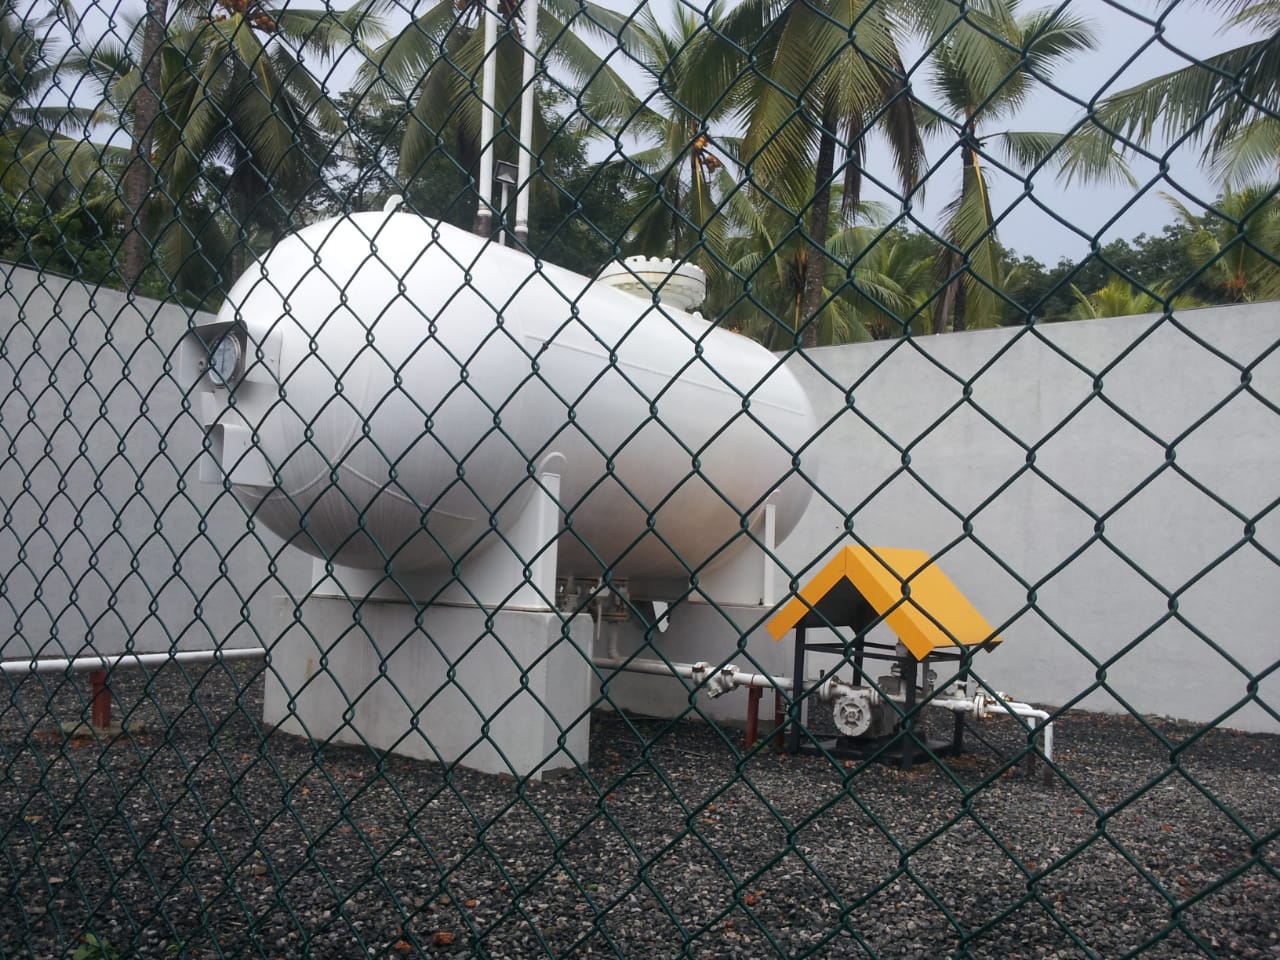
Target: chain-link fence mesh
(389, 558)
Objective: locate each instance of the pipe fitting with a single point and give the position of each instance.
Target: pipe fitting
(833, 688)
(854, 713)
(698, 672)
(722, 681)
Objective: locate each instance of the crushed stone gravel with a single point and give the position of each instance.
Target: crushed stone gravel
(200, 834)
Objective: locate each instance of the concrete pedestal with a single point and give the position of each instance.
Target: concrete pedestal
(500, 692)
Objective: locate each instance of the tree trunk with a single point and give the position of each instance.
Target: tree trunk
(958, 322)
(945, 306)
(138, 178)
(819, 220)
(950, 309)
(246, 189)
(674, 200)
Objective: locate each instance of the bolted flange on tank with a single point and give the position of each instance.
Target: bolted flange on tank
(681, 286)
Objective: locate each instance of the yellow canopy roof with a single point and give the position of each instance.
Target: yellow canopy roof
(860, 584)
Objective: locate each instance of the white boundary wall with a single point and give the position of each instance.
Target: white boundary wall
(101, 549)
(874, 398)
(1156, 395)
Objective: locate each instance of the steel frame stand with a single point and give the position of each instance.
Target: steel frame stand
(902, 745)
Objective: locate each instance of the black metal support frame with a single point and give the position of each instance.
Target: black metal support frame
(903, 743)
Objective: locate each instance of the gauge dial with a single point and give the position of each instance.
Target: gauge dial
(224, 360)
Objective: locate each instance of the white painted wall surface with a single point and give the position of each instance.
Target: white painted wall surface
(908, 459)
(108, 539)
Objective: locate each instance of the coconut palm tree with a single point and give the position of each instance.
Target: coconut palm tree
(1241, 253)
(683, 172)
(29, 65)
(908, 282)
(29, 55)
(1229, 102)
(433, 69)
(817, 94)
(1120, 298)
(762, 293)
(237, 121)
(986, 64)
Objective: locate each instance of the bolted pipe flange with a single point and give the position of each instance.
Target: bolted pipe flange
(724, 680)
(679, 285)
(854, 711)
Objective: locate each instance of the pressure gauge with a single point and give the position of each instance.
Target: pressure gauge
(224, 359)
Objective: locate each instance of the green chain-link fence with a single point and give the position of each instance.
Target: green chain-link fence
(377, 579)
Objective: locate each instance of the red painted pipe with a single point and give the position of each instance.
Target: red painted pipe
(753, 715)
(778, 714)
(100, 705)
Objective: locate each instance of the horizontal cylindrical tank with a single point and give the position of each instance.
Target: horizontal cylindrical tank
(403, 380)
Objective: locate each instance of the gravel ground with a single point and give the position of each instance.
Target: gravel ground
(203, 837)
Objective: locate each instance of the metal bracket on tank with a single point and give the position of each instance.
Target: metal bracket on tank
(615, 605)
(517, 571)
(232, 454)
(567, 594)
(750, 576)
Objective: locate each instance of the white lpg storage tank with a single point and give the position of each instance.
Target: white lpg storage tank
(403, 381)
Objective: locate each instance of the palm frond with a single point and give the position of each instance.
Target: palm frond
(1206, 101)
(328, 33)
(1250, 154)
(973, 251)
(397, 66)
(1027, 148)
(1090, 155)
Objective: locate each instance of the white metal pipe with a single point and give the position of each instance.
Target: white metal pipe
(128, 660)
(524, 161)
(955, 706)
(729, 676)
(488, 113)
(763, 680)
(612, 646)
(657, 668)
(1026, 710)
(983, 705)
(726, 678)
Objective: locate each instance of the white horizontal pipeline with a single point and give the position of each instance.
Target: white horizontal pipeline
(738, 678)
(693, 671)
(654, 667)
(129, 660)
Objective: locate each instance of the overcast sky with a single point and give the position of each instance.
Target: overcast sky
(1188, 26)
